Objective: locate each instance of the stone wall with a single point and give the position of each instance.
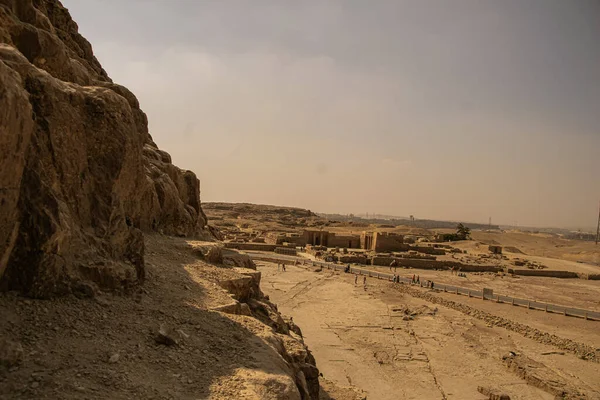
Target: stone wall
(431, 264)
(251, 246)
(382, 242)
(385, 242)
(352, 259)
(428, 250)
(344, 241)
(543, 272)
(286, 251)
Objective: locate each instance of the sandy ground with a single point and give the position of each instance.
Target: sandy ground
(544, 245)
(367, 339)
(578, 293)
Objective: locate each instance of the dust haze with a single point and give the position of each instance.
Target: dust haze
(459, 112)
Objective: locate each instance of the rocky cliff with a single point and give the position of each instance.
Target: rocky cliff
(80, 176)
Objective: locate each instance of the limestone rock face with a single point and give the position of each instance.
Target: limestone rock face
(80, 176)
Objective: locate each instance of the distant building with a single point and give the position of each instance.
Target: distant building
(316, 238)
(382, 242)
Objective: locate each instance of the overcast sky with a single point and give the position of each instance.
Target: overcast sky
(457, 110)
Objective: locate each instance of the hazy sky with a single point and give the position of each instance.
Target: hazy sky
(455, 110)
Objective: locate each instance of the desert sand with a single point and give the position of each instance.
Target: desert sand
(394, 345)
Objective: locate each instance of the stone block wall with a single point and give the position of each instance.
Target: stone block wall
(344, 241)
(383, 242)
(251, 246)
(542, 272)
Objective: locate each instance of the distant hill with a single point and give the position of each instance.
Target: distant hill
(259, 208)
(417, 223)
(232, 217)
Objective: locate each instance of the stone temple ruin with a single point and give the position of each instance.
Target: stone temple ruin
(373, 241)
(366, 248)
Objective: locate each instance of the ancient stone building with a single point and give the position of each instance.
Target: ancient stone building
(382, 242)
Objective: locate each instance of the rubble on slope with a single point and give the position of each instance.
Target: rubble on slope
(168, 340)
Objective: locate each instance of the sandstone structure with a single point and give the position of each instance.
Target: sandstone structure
(80, 176)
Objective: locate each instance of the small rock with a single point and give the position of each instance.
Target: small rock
(182, 334)
(35, 385)
(114, 358)
(165, 336)
(11, 353)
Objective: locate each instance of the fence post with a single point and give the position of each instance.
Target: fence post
(469, 293)
(586, 315)
(513, 301)
(456, 289)
(565, 312)
(546, 308)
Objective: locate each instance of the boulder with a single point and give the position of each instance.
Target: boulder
(11, 353)
(166, 336)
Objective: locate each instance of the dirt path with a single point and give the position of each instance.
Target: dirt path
(395, 346)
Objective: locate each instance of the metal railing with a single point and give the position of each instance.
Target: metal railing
(515, 301)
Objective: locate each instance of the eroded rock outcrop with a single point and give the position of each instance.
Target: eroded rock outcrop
(285, 337)
(80, 176)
